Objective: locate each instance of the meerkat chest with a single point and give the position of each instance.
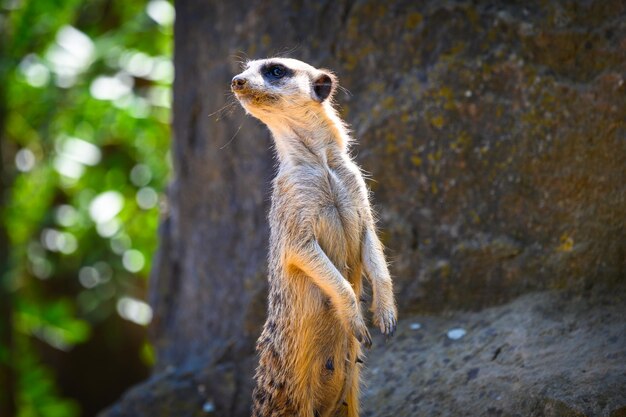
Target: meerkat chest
(339, 224)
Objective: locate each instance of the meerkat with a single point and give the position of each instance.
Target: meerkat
(322, 240)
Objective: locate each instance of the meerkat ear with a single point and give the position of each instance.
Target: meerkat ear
(323, 86)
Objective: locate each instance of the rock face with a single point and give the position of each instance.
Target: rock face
(546, 354)
(495, 137)
(551, 354)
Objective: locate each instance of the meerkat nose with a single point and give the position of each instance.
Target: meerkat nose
(238, 83)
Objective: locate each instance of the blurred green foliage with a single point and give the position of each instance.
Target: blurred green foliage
(84, 127)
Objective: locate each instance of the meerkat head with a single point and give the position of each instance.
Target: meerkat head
(283, 90)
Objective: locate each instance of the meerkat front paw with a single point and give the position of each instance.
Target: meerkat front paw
(359, 329)
(386, 319)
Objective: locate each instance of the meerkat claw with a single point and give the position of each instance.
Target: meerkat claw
(394, 326)
(388, 325)
(364, 338)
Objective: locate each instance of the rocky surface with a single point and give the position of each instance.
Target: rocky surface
(494, 134)
(551, 354)
(546, 354)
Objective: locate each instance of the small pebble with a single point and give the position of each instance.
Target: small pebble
(415, 326)
(456, 334)
(208, 407)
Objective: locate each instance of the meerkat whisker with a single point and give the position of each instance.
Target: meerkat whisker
(241, 58)
(232, 138)
(228, 106)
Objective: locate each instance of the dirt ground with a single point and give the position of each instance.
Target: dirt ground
(544, 354)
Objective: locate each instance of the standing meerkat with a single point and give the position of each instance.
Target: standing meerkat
(322, 240)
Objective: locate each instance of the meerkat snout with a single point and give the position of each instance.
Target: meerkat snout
(238, 83)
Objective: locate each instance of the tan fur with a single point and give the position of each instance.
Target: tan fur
(323, 239)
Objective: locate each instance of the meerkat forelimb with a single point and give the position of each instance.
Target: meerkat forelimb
(312, 260)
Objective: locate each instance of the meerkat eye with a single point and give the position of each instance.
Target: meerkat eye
(277, 71)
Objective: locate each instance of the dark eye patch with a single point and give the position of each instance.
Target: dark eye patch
(274, 72)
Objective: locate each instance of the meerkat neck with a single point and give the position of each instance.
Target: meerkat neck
(321, 133)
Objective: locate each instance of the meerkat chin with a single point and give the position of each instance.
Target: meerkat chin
(322, 242)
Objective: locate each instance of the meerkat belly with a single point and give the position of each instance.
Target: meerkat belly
(338, 231)
(321, 347)
(338, 234)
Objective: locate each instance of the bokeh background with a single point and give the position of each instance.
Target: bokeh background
(85, 97)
